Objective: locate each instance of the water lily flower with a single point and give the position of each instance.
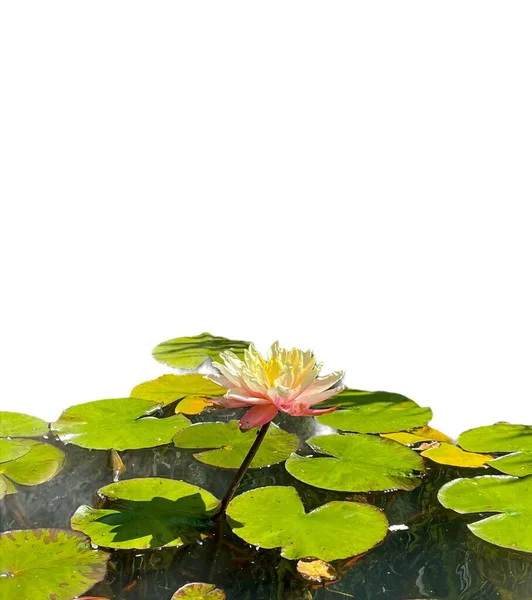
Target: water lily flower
(287, 381)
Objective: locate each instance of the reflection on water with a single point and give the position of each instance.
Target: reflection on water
(429, 555)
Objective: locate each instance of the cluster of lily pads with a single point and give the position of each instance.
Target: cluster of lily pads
(373, 442)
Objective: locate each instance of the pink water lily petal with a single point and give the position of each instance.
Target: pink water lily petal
(317, 411)
(258, 416)
(310, 399)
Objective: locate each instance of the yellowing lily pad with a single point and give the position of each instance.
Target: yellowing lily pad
(416, 436)
(357, 463)
(168, 388)
(199, 591)
(447, 454)
(374, 412)
(27, 462)
(48, 563)
(147, 513)
(274, 517)
(509, 497)
(501, 437)
(316, 570)
(13, 424)
(190, 352)
(192, 405)
(119, 423)
(231, 445)
(518, 464)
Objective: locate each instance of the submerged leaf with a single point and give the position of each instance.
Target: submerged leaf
(316, 570)
(416, 436)
(357, 463)
(13, 424)
(168, 388)
(199, 591)
(518, 464)
(501, 437)
(273, 517)
(48, 563)
(447, 454)
(32, 463)
(510, 497)
(374, 412)
(231, 444)
(190, 352)
(119, 423)
(147, 513)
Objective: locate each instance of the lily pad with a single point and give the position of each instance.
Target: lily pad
(357, 463)
(273, 517)
(190, 352)
(119, 423)
(231, 445)
(416, 436)
(168, 388)
(501, 437)
(147, 513)
(13, 424)
(27, 462)
(48, 563)
(518, 464)
(447, 454)
(510, 497)
(192, 405)
(199, 591)
(374, 412)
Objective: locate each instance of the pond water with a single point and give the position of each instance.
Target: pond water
(434, 556)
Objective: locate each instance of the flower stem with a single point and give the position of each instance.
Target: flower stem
(242, 470)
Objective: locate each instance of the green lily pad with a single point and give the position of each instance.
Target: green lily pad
(13, 424)
(510, 497)
(147, 513)
(31, 463)
(357, 463)
(501, 437)
(199, 591)
(48, 563)
(190, 352)
(119, 423)
(231, 445)
(273, 517)
(447, 454)
(518, 464)
(168, 388)
(374, 412)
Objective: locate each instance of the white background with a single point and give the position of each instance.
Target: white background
(351, 177)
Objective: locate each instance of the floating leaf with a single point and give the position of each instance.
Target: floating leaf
(119, 423)
(374, 412)
(316, 570)
(272, 517)
(48, 563)
(13, 424)
(232, 445)
(190, 352)
(511, 497)
(416, 436)
(447, 454)
(518, 464)
(192, 405)
(168, 388)
(147, 513)
(357, 463)
(32, 463)
(199, 591)
(501, 437)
